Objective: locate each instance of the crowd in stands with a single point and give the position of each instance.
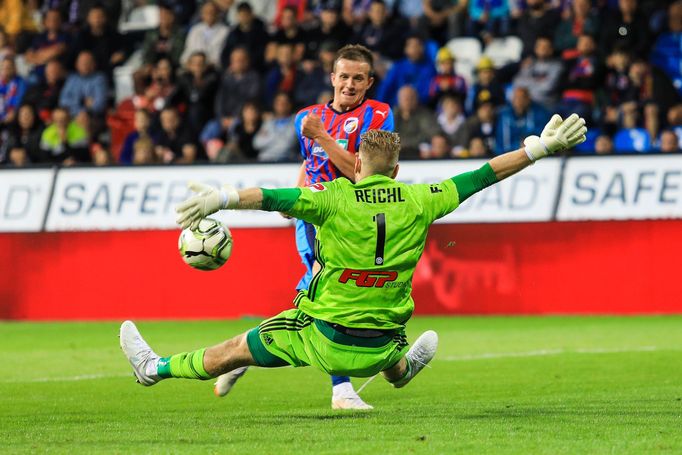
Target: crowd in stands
(221, 80)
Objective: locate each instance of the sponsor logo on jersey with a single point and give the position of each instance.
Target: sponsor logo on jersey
(350, 125)
(318, 151)
(368, 278)
(317, 187)
(343, 143)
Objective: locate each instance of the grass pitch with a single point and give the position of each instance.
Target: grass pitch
(549, 385)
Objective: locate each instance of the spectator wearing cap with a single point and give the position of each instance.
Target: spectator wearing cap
(446, 81)
(415, 70)
(518, 121)
(207, 36)
(382, 33)
(168, 40)
(330, 28)
(249, 33)
(415, 124)
(486, 88)
(539, 19)
(541, 74)
(582, 20)
(287, 32)
(12, 89)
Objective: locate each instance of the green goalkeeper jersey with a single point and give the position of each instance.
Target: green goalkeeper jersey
(370, 236)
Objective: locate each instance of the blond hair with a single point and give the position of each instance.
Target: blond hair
(380, 150)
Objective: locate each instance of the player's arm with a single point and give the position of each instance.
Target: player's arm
(312, 128)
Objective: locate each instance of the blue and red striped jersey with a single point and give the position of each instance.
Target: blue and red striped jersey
(346, 128)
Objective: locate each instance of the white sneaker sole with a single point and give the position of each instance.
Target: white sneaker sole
(226, 381)
(350, 403)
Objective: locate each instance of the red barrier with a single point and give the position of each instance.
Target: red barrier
(532, 268)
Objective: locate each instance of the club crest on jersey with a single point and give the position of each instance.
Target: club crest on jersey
(350, 125)
(317, 187)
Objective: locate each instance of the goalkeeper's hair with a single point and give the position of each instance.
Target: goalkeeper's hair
(380, 150)
(357, 53)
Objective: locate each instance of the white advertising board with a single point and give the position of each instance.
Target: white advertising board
(622, 188)
(24, 197)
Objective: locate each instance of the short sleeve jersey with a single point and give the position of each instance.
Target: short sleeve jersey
(370, 237)
(345, 128)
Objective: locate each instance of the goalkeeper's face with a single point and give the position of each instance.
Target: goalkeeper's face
(350, 80)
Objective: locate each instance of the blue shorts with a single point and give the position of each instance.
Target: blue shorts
(305, 244)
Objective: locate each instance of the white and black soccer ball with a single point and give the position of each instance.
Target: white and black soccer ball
(207, 247)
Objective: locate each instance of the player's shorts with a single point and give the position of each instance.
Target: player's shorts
(294, 338)
(305, 244)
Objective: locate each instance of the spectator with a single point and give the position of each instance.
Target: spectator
(18, 157)
(669, 142)
(25, 133)
(207, 36)
(412, 11)
(288, 32)
(488, 18)
(439, 147)
(198, 85)
(240, 146)
(674, 119)
(518, 121)
(44, 96)
(415, 70)
(330, 28)
(625, 29)
(451, 117)
(49, 45)
(238, 85)
(160, 90)
(283, 76)
(667, 52)
(631, 137)
(144, 151)
(314, 76)
(143, 124)
(76, 11)
(168, 40)
(539, 19)
(414, 123)
(64, 141)
(6, 49)
(249, 33)
(101, 156)
(442, 19)
(276, 139)
(541, 74)
(603, 145)
(382, 33)
(355, 12)
(655, 93)
(583, 77)
(446, 81)
(486, 88)
(12, 88)
(105, 43)
(581, 21)
(175, 143)
(85, 90)
(479, 126)
(16, 18)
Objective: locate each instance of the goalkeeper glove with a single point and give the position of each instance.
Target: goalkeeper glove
(557, 135)
(207, 201)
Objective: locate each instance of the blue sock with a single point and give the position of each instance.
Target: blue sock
(336, 380)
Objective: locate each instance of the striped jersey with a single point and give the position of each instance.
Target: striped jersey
(346, 128)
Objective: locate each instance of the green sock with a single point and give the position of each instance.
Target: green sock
(188, 365)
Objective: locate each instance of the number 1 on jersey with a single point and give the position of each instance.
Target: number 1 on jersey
(380, 219)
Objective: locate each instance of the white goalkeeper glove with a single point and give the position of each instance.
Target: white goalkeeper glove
(207, 201)
(557, 135)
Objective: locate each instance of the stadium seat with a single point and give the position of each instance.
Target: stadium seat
(632, 140)
(140, 19)
(503, 51)
(467, 52)
(123, 76)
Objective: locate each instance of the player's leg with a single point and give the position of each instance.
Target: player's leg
(419, 355)
(206, 363)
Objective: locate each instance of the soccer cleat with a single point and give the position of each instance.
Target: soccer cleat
(419, 355)
(141, 357)
(344, 397)
(226, 381)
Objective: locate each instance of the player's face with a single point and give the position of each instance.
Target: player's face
(350, 81)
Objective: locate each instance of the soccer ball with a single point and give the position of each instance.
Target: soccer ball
(207, 247)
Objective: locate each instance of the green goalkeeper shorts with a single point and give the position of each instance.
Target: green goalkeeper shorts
(294, 338)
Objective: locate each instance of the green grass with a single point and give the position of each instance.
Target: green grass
(549, 385)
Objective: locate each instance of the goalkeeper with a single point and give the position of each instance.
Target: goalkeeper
(351, 320)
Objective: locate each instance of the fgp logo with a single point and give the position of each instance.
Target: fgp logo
(368, 279)
(317, 187)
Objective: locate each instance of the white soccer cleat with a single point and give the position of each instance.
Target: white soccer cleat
(226, 381)
(141, 357)
(419, 355)
(344, 397)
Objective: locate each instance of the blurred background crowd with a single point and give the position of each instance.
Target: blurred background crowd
(138, 82)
